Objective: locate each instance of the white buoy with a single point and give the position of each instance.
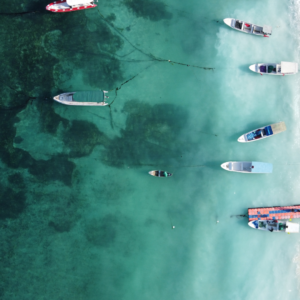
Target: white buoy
(218, 221)
(173, 227)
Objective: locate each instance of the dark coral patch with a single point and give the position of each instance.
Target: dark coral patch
(102, 232)
(150, 135)
(56, 168)
(82, 137)
(149, 9)
(11, 203)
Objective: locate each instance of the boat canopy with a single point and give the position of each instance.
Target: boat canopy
(292, 227)
(78, 2)
(261, 167)
(89, 96)
(267, 29)
(289, 67)
(278, 127)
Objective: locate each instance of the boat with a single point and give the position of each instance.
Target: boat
(160, 173)
(70, 5)
(284, 68)
(262, 132)
(85, 98)
(275, 226)
(245, 27)
(274, 212)
(247, 167)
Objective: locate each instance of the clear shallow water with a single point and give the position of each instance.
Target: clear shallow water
(81, 218)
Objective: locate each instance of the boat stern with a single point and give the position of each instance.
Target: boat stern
(292, 227)
(254, 68)
(242, 139)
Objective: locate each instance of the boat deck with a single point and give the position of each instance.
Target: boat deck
(274, 213)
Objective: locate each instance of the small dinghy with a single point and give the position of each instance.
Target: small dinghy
(284, 68)
(88, 98)
(70, 5)
(242, 26)
(160, 173)
(262, 132)
(247, 167)
(275, 226)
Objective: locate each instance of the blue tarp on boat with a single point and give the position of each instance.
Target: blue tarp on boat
(268, 130)
(261, 167)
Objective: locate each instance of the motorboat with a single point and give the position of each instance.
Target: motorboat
(247, 167)
(70, 5)
(284, 68)
(85, 98)
(250, 28)
(275, 226)
(160, 173)
(262, 132)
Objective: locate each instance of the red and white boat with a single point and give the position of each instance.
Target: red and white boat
(70, 5)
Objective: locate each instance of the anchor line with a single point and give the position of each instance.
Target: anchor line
(118, 88)
(151, 55)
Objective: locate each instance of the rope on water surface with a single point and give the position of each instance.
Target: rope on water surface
(153, 58)
(118, 88)
(21, 13)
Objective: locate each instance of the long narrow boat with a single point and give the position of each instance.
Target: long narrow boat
(160, 173)
(275, 226)
(262, 132)
(284, 68)
(87, 98)
(62, 6)
(245, 27)
(274, 213)
(247, 167)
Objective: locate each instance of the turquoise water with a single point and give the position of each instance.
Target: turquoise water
(80, 217)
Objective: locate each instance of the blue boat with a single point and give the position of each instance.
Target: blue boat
(262, 132)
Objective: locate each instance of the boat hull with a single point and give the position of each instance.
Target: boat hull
(256, 69)
(248, 28)
(154, 173)
(274, 226)
(276, 128)
(66, 99)
(62, 7)
(251, 167)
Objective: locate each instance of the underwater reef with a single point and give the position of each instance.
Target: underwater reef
(12, 202)
(150, 135)
(149, 9)
(82, 137)
(31, 66)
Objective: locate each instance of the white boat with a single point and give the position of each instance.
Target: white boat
(87, 98)
(275, 226)
(262, 132)
(160, 173)
(284, 68)
(62, 6)
(247, 167)
(245, 27)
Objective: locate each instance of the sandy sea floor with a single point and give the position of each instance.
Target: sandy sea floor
(80, 218)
